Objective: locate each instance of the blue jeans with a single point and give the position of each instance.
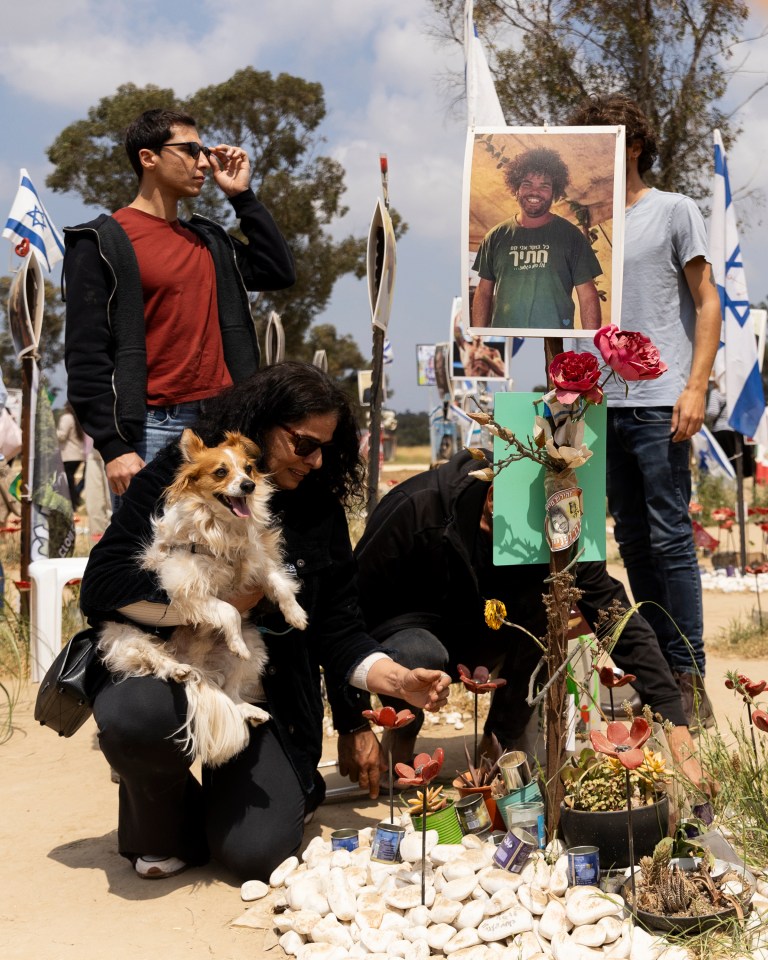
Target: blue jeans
(161, 425)
(649, 489)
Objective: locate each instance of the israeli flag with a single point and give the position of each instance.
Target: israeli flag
(30, 227)
(483, 107)
(388, 355)
(710, 456)
(736, 364)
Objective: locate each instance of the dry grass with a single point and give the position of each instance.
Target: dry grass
(742, 638)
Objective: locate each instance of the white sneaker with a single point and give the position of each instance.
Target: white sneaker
(150, 867)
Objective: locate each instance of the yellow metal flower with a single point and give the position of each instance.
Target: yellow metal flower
(434, 800)
(495, 614)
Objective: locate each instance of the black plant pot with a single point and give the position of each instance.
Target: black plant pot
(608, 831)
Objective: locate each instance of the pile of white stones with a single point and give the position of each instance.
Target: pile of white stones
(336, 904)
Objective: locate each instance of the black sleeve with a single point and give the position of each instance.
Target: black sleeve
(637, 650)
(265, 261)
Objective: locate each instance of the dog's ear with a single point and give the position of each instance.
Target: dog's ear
(191, 445)
(236, 439)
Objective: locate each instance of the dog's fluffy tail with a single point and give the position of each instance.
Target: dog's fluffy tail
(216, 728)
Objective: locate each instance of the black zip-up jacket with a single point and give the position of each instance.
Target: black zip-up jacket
(416, 569)
(105, 343)
(318, 547)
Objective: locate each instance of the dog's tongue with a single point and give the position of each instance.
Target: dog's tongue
(239, 507)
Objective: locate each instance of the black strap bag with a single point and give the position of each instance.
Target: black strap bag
(65, 698)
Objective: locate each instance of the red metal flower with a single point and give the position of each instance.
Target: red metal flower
(723, 513)
(764, 527)
(423, 771)
(479, 681)
(757, 569)
(760, 720)
(622, 744)
(609, 679)
(387, 717)
(694, 507)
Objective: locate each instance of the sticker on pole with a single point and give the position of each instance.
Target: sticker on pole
(564, 511)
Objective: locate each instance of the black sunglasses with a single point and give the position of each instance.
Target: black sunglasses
(193, 148)
(305, 446)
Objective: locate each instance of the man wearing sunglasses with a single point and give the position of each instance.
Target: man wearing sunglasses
(158, 315)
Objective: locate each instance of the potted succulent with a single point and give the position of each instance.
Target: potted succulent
(614, 806)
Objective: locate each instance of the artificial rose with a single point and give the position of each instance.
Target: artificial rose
(631, 355)
(575, 375)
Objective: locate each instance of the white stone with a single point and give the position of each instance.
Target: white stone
(370, 917)
(377, 941)
(329, 930)
(506, 924)
(364, 836)
(460, 889)
(445, 852)
(340, 898)
(533, 899)
(471, 842)
(410, 896)
(278, 875)
(459, 868)
(417, 932)
(290, 942)
(645, 946)
(253, 890)
(464, 938)
(444, 910)
(410, 845)
(341, 858)
(439, 934)
(479, 952)
(356, 877)
(419, 916)
(565, 947)
(471, 915)
(675, 952)
(591, 907)
(304, 921)
(558, 882)
(369, 900)
(612, 927)
(553, 920)
(417, 950)
(321, 951)
(394, 921)
(315, 846)
(526, 946)
(590, 935)
(502, 900)
(492, 879)
(306, 894)
(542, 875)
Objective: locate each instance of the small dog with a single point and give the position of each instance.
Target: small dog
(215, 537)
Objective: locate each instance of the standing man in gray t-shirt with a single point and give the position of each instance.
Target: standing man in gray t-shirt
(669, 295)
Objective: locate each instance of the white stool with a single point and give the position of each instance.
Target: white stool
(48, 579)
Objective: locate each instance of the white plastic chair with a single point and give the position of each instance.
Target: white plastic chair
(48, 579)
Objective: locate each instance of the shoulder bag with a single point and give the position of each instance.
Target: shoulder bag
(65, 698)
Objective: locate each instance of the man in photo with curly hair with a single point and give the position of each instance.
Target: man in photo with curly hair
(530, 264)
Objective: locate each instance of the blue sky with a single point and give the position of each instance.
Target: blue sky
(382, 74)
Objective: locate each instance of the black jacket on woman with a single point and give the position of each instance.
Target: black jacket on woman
(318, 547)
(422, 563)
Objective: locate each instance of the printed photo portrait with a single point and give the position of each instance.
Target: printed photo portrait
(476, 358)
(543, 218)
(425, 364)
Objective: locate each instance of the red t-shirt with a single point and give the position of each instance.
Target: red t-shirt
(185, 355)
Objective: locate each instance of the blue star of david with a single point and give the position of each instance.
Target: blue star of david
(38, 217)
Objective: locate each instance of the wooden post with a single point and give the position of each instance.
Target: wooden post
(27, 453)
(374, 428)
(741, 512)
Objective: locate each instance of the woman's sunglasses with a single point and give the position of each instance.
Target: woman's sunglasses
(193, 148)
(305, 446)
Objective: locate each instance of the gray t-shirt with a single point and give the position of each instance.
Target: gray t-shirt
(664, 232)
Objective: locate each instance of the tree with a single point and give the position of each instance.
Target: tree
(277, 120)
(673, 57)
(51, 345)
(412, 429)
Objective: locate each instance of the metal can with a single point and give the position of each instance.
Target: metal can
(583, 866)
(473, 814)
(530, 817)
(347, 839)
(385, 846)
(514, 850)
(515, 769)
(497, 836)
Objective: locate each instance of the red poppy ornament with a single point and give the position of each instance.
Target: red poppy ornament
(610, 679)
(389, 718)
(424, 770)
(760, 720)
(477, 682)
(622, 744)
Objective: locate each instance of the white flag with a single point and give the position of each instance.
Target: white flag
(483, 107)
(736, 365)
(30, 227)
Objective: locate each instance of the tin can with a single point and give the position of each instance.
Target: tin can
(497, 836)
(385, 846)
(528, 816)
(515, 769)
(704, 812)
(583, 866)
(473, 814)
(514, 850)
(345, 840)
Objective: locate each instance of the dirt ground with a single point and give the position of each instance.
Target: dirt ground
(65, 894)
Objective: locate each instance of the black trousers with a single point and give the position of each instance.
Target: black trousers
(248, 814)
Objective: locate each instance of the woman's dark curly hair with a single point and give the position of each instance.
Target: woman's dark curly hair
(540, 160)
(616, 109)
(284, 394)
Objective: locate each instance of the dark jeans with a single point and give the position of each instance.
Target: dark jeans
(509, 714)
(649, 489)
(248, 813)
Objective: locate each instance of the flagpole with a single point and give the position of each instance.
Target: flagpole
(27, 445)
(739, 464)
